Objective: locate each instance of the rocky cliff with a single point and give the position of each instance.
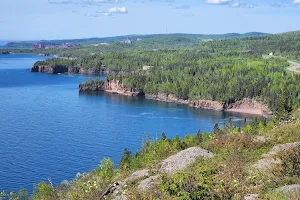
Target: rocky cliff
(112, 86)
(55, 69)
(249, 106)
(203, 104)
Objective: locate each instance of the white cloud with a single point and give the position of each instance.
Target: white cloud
(109, 12)
(183, 7)
(296, 1)
(242, 5)
(217, 1)
(90, 2)
(120, 10)
(101, 13)
(235, 5)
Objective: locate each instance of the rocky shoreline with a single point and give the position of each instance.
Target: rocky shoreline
(111, 86)
(56, 69)
(246, 105)
(5, 52)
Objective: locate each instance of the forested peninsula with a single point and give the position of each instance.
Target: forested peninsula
(237, 74)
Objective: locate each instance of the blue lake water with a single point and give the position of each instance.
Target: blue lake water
(48, 129)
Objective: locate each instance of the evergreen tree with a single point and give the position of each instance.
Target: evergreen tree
(199, 138)
(163, 136)
(216, 128)
(245, 121)
(125, 159)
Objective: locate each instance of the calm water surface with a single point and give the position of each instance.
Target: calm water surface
(48, 129)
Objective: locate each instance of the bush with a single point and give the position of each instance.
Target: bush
(196, 183)
(44, 191)
(106, 169)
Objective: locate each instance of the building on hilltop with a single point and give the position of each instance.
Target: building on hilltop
(38, 46)
(127, 41)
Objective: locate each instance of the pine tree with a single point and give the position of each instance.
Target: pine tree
(125, 159)
(245, 121)
(199, 138)
(216, 128)
(163, 136)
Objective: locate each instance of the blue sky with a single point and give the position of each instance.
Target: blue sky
(61, 19)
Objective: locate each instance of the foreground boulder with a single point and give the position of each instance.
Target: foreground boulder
(148, 183)
(138, 175)
(289, 190)
(268, 161)
(183, 159)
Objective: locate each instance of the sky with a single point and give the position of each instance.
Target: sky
(68, 19)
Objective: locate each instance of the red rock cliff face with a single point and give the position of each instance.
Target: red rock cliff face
(64, 69)
(116, 86)
(203, 104)
(111, 86)
(248, 106)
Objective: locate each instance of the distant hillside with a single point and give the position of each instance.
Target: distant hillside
(176, 37)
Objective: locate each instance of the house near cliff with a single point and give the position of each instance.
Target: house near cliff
(146, 68)
(127, 41)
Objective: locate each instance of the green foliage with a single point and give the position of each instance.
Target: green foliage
(44, 191)
(199, 138)
(163, 136)
(196, 183)
(216, 129)
(106, 169)
(21, 195)
(125, 159)
(153, 150)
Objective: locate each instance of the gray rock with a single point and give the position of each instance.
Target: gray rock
(120, 197)
(282, 147)
(148, 183)
(289, 189)
(268, 162)
(183, 159)
(137, 175)
(251, 197)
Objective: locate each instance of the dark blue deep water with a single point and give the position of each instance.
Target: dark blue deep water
(48, 129)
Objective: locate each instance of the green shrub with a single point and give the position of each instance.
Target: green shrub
(106, 169)
(44, 191)
(196, 183)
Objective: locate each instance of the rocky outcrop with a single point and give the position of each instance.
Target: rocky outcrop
(117, 87)
(148, 183)
(92, 86)
(138, 175)
(55, 69)
(4, 52)
(111, 86)
(183, 159)
(204, 104)
(249, 106)
(269, 160)
(251, 197)
(289, 189)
